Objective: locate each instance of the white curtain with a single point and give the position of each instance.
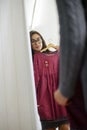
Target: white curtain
(18, 109)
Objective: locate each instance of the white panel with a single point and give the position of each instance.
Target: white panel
(45, 19)
(18, 109)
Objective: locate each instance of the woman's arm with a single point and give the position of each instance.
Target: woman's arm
(53, 46)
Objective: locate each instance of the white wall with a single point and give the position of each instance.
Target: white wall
(18, 109)
(45, 19)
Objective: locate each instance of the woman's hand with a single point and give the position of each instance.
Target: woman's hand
(53, 46)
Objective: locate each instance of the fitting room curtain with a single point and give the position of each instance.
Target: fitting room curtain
(18, 109)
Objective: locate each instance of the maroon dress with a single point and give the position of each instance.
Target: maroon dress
(46, 71)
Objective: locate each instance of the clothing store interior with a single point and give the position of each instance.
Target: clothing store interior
(18, 102)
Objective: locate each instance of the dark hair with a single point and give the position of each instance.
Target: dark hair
(43, 41)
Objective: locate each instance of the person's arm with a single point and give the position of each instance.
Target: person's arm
(50, 45)
(53, 46)
(72, 37)
(62, 100)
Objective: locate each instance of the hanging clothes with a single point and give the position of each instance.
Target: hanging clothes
(46, 74)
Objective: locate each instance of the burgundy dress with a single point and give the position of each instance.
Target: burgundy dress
(46, 71)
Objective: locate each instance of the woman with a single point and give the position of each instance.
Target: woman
(46, 64)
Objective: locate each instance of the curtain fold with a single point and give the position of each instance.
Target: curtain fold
(18, 110)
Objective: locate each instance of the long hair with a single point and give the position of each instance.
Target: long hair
(43, 41)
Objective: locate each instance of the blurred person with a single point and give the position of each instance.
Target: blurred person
(72, 89)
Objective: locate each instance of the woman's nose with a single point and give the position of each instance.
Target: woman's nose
(36, 42)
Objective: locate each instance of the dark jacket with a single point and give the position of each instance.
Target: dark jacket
(73, 46)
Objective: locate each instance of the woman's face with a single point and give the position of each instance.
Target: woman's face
(36, 42)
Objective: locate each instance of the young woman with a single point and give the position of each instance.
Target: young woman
(46, 67)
